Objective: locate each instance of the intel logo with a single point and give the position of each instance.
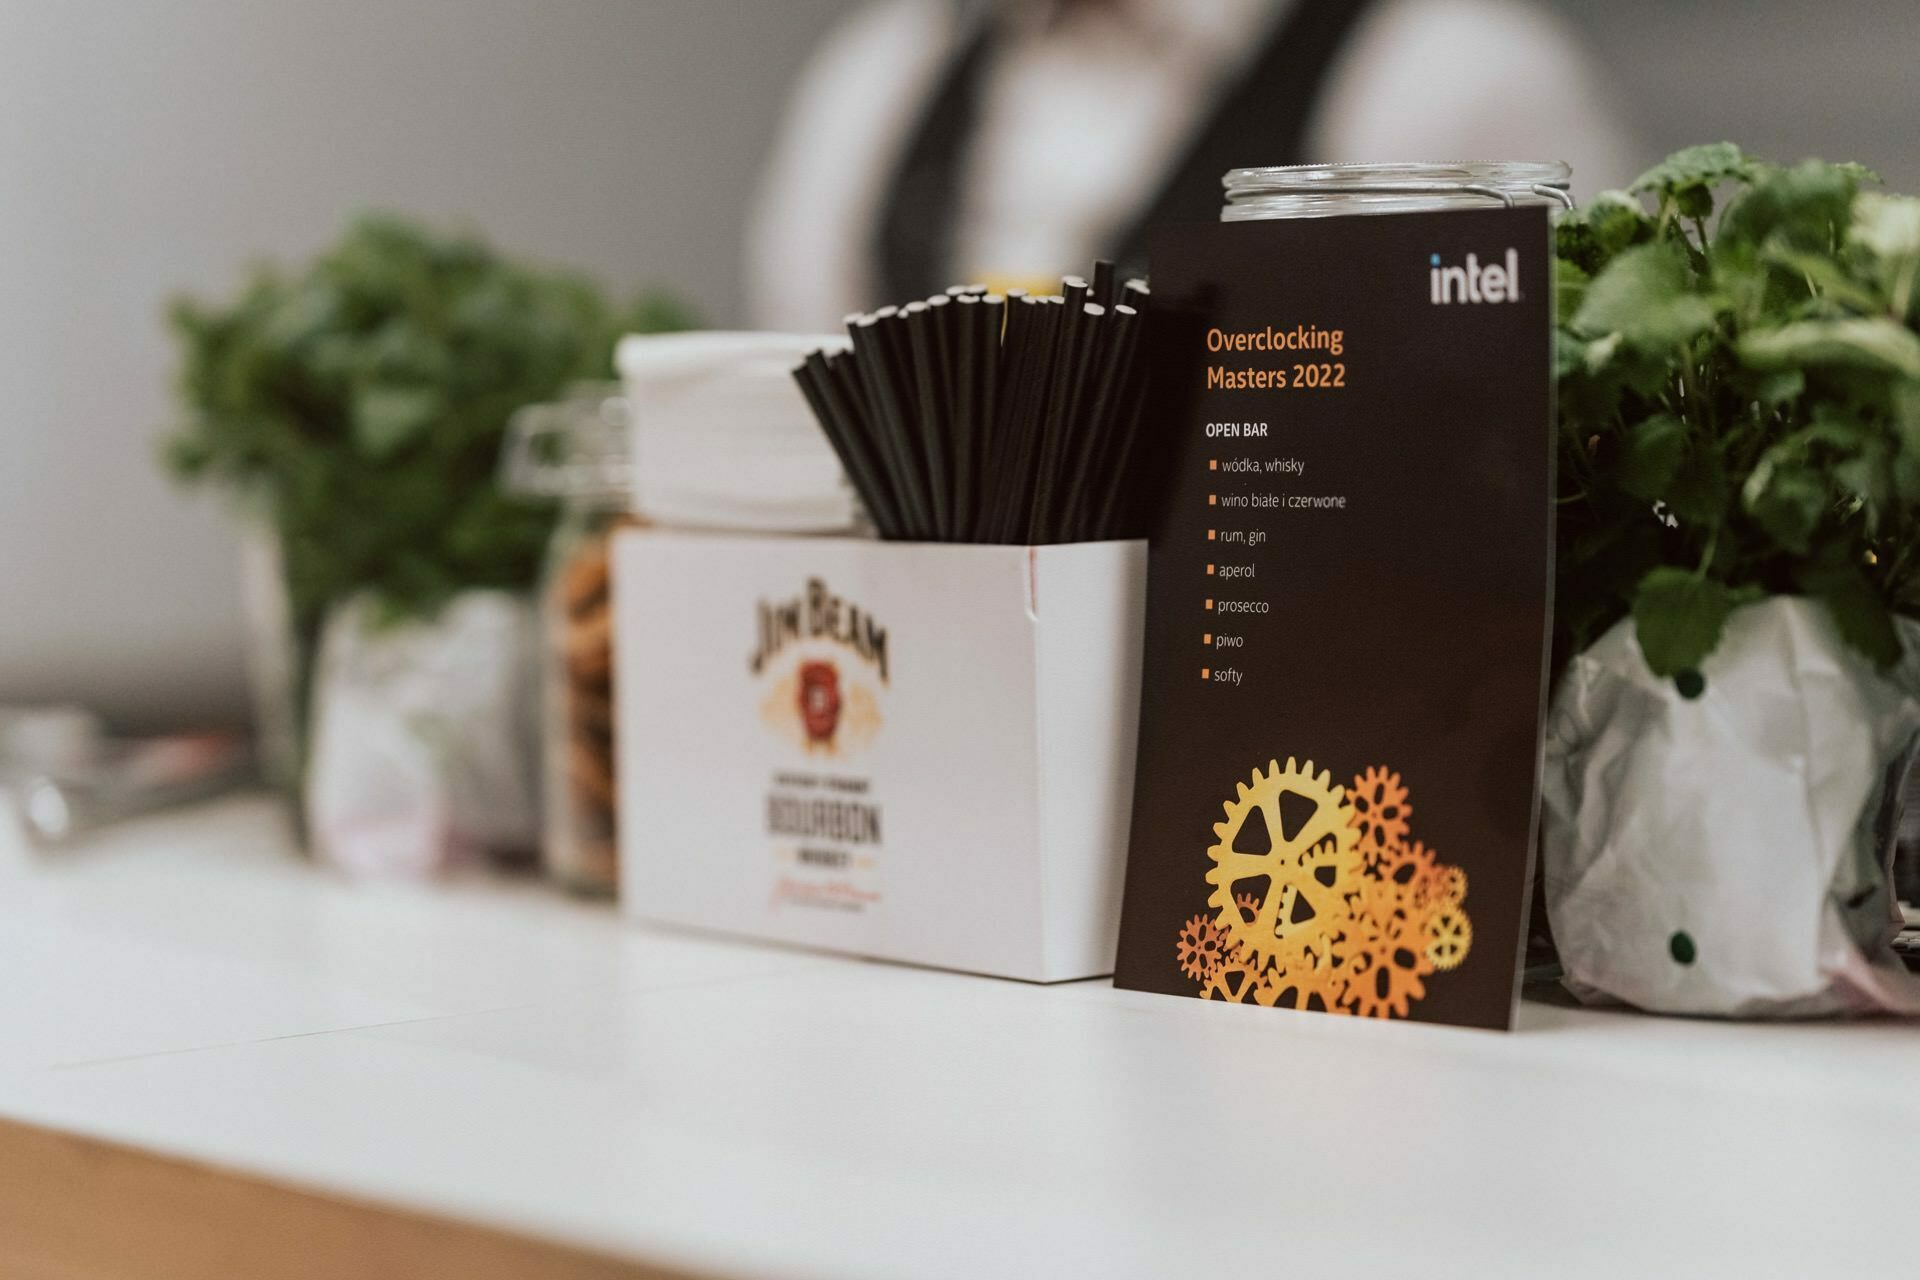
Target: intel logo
(1473, 282)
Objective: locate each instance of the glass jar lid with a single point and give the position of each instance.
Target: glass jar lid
(576, 448)
(1324, 190)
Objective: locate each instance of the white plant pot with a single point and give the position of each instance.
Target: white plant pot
(423, 752)
(1730, 854)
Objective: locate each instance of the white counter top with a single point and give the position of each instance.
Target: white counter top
(500, 1054)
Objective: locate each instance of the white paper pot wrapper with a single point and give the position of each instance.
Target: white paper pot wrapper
(1731, 854)
(424, 738)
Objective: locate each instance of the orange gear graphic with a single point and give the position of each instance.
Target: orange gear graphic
(1393, 973)
(1240, 983)
(1297, 990)
(1272, 988)
(1407, 865)
(1310, 870)
(1325, 964)
(1381, 807)
(1449, 937)
(1201, 947)
(1355, 914)
(1444, 886)
(1394, 884)
(1233, 981)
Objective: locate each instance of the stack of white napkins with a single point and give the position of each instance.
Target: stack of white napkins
(722, 437)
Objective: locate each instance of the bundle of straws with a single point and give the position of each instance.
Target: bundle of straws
(982, 417)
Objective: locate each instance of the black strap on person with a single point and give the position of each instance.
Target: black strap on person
(1262, 118)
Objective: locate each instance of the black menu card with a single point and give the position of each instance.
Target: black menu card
(1348, 608)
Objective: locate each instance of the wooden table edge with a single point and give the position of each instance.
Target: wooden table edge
(81, 1208)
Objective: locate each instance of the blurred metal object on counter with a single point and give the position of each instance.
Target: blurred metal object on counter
(64, 775)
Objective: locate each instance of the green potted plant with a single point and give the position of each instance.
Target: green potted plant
(1739, 564)
(356, 407)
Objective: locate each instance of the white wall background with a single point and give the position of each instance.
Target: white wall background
(148, 146)
(1786, 79)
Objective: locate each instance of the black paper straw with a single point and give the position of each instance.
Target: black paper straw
(1118, 501)
(987, 342)
(1103, 283)
(1064, 369)
(1023, 318)
(896, 351)
(1078, 452)
(888, 411)
(847, 433)
(1064, 453)
(1018, 522)
(1074, 293)
(1020, 430)
(947, 332)
(1105, 451)
(840, 381)
(974, 416)
(969, 361)
(945, 427)
(929, 373)
(812, 389)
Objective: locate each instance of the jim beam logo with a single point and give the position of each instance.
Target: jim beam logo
(825, 659)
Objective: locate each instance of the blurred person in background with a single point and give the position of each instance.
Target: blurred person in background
(1012, 141)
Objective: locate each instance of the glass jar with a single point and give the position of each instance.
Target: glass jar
(1325, 190)
(576, 451)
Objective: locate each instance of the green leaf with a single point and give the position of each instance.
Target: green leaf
(1789, 507)
(1694, 202)
(1595, 233)
(1906, 475)
(1701, 492)
(1754, 388)
(1868, 476)
(1779, 386)
(1830, 429)
(1650, 457)
(1569, 353)
(1906, 429)
(1809, 206)
(1854, 342)
(1678, 618)
(1906, 409)
(1704, 165)
(1647, 296)
(1887, 226)
(1825, 275)
(1599, 353)
(386, 419)
(1857, 609)
(1569, 288)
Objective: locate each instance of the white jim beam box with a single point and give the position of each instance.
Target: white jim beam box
(914, 752)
